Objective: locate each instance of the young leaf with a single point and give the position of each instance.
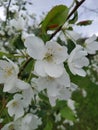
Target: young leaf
(61, 104)
(85, 23)
(74, 19)
(55, 18)
(67, 113)
(17, 42)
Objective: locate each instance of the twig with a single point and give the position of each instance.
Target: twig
(70, 14)
(7, 11)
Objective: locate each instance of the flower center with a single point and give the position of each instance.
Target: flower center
(48, 57)
(11, 127)
(8, 72)
(14, 104)
(50, 78)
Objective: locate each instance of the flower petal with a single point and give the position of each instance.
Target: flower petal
(35, 47)
(80, 72)
(21, 84)
(39, 68)
(54, 70)
(58, 52)
(9, 84)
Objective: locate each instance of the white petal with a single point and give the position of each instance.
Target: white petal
(82, 62)
(71, 67)
(3, 65)
(77, 60)
(52, 100)
(92, 47)
(63, 37)
(39, 68)
(74, 35)
(91, 39)
(21, 84)
(48, 83)
(35, 47)
(9, 84)
(2, 77)
(64, 80)
(15, 106)
(65, 94)
(35, 122)
(11, 111)
(27, 99)
(80, 72)
(19, 113)
(53, 91)
(71, 104)
(54, 70)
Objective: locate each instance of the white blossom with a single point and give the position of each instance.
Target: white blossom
(53, 85)
(91, 45)
(77, 60)
(49, 56)
(15, 125)
(71, 104)
(16, 107)
(19, 23)
(8, 73)
(57, 117)
(65, 93)
(30, 122)
(8, 77)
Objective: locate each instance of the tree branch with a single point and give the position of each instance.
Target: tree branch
(78, 4)
(7, 10)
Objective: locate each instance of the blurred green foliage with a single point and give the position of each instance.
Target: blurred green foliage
(87, 107)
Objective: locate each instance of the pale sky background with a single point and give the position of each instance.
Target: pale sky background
(40, 6)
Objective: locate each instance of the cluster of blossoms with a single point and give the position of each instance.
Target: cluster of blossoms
(50, 67)
(21, 101)
(51, 74)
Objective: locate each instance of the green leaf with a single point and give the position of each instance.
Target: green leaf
(74, 19)
(43, 97)
(70, 45)
(17, 42)
(9, 55)
(49, 125)
(85, 23)
(61, 104)
(55, 18)
(67, 113)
